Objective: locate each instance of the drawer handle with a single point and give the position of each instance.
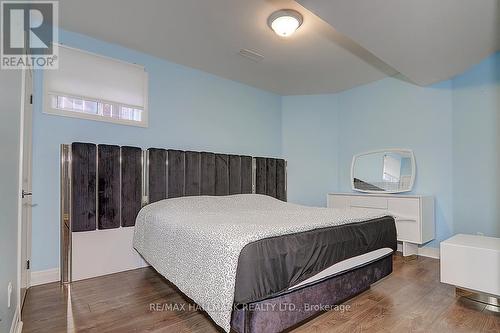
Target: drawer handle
(405, 218)
(368, 206)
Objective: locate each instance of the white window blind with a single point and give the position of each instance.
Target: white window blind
(94, 87)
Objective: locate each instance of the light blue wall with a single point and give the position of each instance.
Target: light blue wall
(389, 113)
(476, 148)
(188, 109)
(453, 128)
(318, 134)
(310, 144)
(10, 95)
(392, 113)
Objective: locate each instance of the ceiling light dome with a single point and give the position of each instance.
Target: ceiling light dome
(284, 22)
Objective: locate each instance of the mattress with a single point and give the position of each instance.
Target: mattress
(273, 265)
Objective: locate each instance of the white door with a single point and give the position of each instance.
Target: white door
(26, 151)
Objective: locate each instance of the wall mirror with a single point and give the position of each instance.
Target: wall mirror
(383, 171)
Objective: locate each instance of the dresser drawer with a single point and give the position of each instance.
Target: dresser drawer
(369, 202)
(408, 230)
(407, 214)
(338, 201)
(404, 207)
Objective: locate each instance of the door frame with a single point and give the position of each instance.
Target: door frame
(20, 262)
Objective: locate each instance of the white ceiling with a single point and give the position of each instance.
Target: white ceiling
(208, 34)
(425, 40)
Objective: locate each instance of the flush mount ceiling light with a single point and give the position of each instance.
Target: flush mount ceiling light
(284, 22)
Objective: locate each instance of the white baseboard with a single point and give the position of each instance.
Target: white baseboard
(430, 252)
(46, 276)
(17, 325)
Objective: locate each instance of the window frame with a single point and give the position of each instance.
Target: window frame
(144, 123)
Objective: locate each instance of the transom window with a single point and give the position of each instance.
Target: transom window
(81, 105)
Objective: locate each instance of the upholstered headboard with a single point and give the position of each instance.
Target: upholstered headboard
(109, 184)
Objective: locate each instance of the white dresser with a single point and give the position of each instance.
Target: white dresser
(414, 214)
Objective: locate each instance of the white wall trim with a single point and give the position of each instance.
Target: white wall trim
(46, 276)
(430, 252)
(17, 325)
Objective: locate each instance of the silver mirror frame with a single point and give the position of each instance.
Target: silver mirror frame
(391, 150)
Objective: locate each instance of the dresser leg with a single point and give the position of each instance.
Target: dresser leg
(410, 250)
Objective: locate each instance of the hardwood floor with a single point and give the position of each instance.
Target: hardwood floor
(411, 299)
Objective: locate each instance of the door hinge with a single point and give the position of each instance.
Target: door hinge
(31, 99)
(27, 264)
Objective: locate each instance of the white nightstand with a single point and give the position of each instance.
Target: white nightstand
(472, 262)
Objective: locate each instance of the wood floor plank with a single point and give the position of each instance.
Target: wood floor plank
(411, 299)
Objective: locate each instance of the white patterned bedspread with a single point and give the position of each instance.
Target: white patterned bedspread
(195, 242)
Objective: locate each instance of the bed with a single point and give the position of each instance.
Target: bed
(258, 264)
(217, 226)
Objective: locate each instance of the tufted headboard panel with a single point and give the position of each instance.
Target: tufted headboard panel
(109, 184)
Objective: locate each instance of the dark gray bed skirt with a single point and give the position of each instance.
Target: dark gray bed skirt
(287, 310)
